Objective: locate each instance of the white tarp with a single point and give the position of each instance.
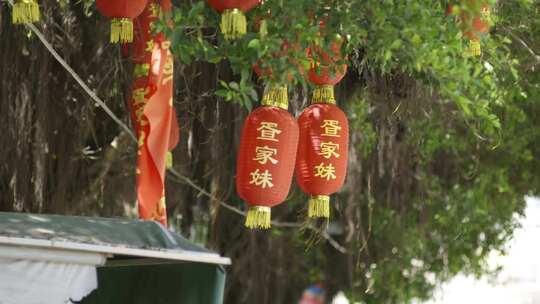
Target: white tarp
(38, 276)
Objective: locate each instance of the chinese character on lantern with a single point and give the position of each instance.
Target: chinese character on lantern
(263, 180)
(265, 154)
(331, 128)
(329, 150)
(268, 131)
(327, 172)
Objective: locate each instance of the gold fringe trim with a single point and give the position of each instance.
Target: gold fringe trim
(259, 218)
(121, 30)
(486, 14)
(141, 70)
(324, 94)
(169, 160)
(263, 30)
(276, 96)
(233, 24)
(319, 206)
(474, 49)
(25, 11)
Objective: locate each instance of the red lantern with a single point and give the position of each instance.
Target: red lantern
(233, 18)
(475, 24)
(325, 71)
(478, 27)
(321, 164)
(266, 161)
(322, 75)
(277, 95)
(25, 11)
(266, 73)
(122, 13)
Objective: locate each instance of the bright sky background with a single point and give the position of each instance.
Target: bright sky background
(518, 282)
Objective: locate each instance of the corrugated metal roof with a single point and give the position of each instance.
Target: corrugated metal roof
(106, 235)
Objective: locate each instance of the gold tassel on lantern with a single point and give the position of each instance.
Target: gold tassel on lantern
(25, 11)
(121, 30)
(324, 94)
(474, 49)
(276, 96)
(258, 217)
(319, 206)
(233, 24)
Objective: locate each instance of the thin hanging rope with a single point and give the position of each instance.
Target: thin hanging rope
(188, 181)
(109, 112)
(75, 76)
(333, 242)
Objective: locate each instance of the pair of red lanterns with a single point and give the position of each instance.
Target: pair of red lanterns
(274, 146)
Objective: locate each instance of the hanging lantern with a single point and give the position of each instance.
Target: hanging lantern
(122, 13)
(323, 146)
(321, 164)
(233, 18)
(266, 160)
(474, 23)
(265, 72)
(478, 28)
(25, 11)
(325, 72)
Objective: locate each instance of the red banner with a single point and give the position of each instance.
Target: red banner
(152, 111)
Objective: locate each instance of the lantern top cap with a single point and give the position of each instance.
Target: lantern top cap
(324, 94)
(276, 96)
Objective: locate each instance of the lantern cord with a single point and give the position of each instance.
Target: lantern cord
(77, 78)
(177, 175)
(334, 243)
(188, 181)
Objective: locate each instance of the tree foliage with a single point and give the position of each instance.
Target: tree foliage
(439, 166)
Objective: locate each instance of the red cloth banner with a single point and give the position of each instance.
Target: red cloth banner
(152, 111)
